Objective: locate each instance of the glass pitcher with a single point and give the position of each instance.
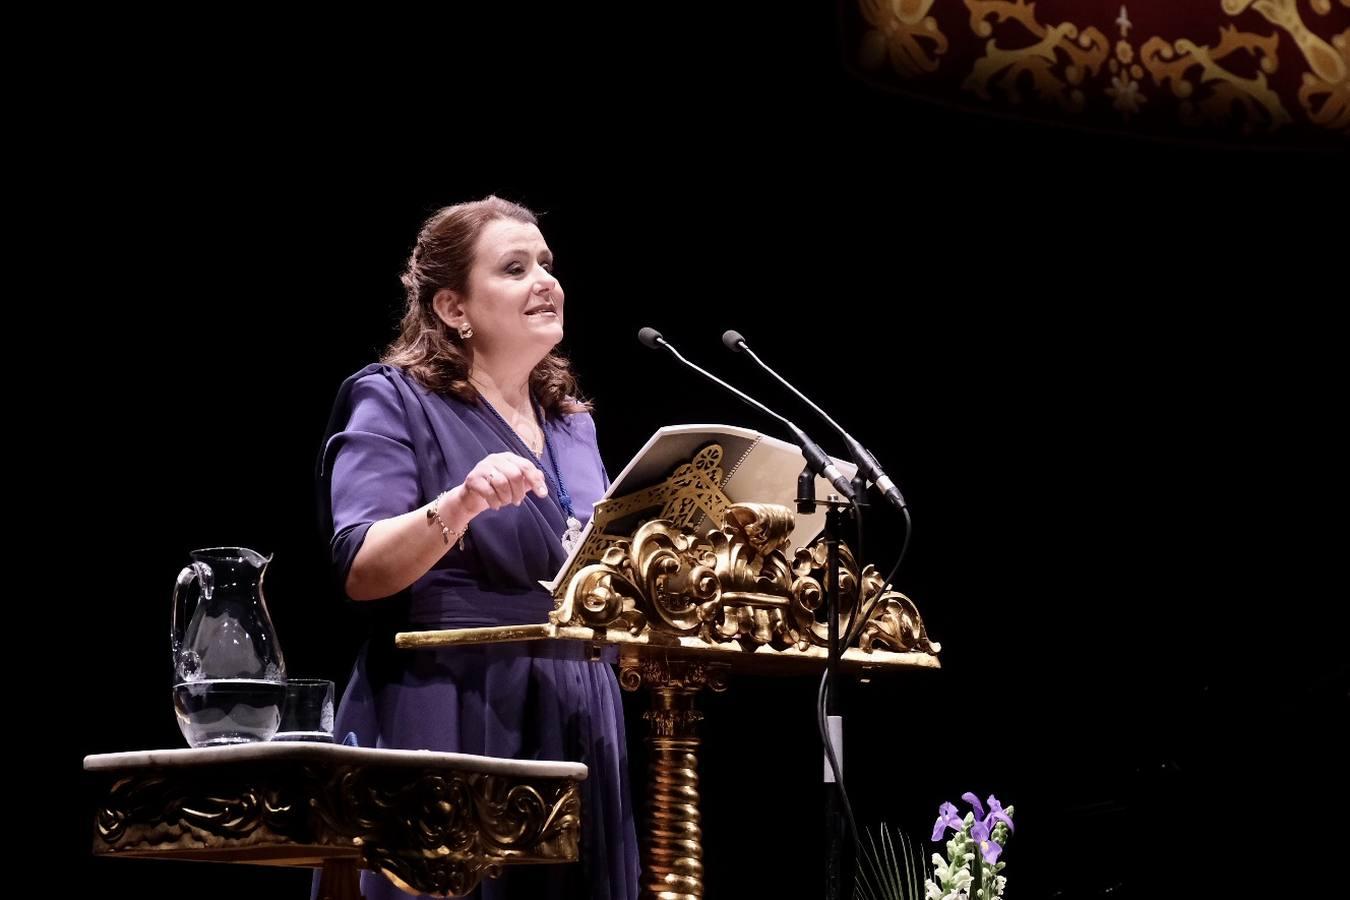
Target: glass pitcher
(229, 677)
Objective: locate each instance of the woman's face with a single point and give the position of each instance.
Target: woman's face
(513, 301)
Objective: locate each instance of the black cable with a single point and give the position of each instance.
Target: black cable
(895, 570)
(834, 760)
(854, 628)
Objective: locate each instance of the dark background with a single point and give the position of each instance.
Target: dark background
(1102, 369)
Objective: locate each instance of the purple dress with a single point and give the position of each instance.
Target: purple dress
(393, 446)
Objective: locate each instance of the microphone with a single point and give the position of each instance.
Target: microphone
(818, 460)
(867, 463)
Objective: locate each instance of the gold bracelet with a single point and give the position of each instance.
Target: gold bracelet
(434, 515)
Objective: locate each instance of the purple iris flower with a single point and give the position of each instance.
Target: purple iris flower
(975, 804)
(982, 829)
(996, 814)
(947, 819)
(989, 847)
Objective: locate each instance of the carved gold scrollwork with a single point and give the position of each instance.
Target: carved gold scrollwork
(1056, 63)
(734, 585)
(903, 32)
(442, 833)
(603, 595)
(1170, 64)
(147, 810)
(431, 832)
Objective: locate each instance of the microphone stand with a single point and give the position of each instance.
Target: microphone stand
(832, 730)
(832, 724)
(834, 837)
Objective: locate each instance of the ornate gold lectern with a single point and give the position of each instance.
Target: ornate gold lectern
(687, 609)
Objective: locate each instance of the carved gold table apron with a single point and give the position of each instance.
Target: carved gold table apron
(434, 823)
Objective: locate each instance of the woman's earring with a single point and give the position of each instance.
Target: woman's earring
(466, 331)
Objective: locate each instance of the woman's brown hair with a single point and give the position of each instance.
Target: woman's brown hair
(433, 352)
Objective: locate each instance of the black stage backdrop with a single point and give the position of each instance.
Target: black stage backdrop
(1101, 369)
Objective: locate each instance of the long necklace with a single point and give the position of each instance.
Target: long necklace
(572, 536)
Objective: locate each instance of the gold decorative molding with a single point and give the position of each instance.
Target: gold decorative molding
(1218, 68)
(692, 491)
(664, 672)
(429, 830)
(734, 586)
(149, 811)
(443, 833)
(1325, 62)
(1325, 90)
(903, 32)
(673, 841)
(1170, 64)
(1057, 62)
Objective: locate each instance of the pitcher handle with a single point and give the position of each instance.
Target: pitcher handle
(201, 574)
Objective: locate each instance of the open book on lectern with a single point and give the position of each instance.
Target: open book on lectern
(753, 468)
